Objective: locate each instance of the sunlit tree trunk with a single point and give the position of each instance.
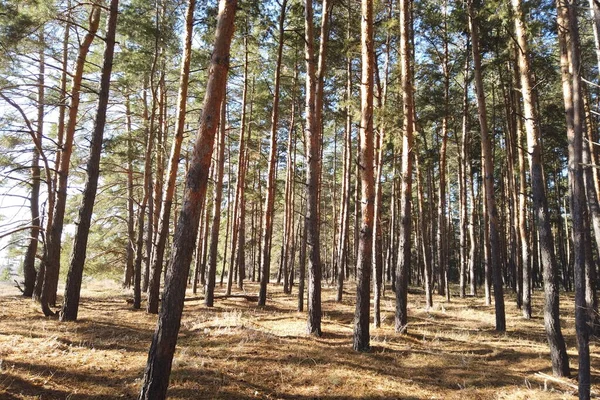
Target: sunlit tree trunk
(489, 197)
(344, 219)
(463, 159)
(216, 219)
(53, 246)
(558, 353)
(29, 271)
(75, 274)
(361, 340)
(138, 286)
(404, 250)
(160, 357)
(270, 195)
(442, 240)
(313, 139)
(167, 201)
(568, 35)
(129, 267)
(239, 203)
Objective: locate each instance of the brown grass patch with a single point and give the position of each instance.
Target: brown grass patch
(239, 351)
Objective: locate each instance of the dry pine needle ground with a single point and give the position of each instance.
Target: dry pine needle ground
(239, 351)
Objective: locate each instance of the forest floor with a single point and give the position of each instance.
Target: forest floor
(237, 350)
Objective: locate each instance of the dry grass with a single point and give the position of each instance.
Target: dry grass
(239, 351)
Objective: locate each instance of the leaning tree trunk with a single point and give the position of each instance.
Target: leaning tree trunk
(568, 36)
(488, 168)
(73, 287)
(361, 340)
(160, 357)
(163, 229)
(270, 198)
(53, 246)
(404, 251)
(558, 352)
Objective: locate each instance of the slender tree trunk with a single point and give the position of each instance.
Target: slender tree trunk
(404, 251)
(486, 149)
(558, 353)
(591, 298)
(302, 262)
(463, 159)
(344, 220)
(442, 246)
(313, 138)
(361, 340)
(568, 35)
(29, 271)
(73, 287)
(427, 270)
(288, 212)
(142, 210)
(216, 219)
(240, 178)
(229, 217)
(167, 201)
(160, 357)
(377, 251)
(270, 198)
(52, 259)
(129, 268)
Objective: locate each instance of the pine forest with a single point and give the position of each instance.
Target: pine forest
(298, 199)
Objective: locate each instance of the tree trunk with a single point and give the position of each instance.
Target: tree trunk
(160, 357)
(558, 353)
(29, 271)
(488, 168)
(361, 341)
(73, 287)
(167, 201)
(463, 159)
(138, 286)
(404, 250)
(568, 35)
(344, 221)
(442, 240)
(216, 219)
(313, 139)
(129, 267)
(52, 259)
(238, 204)
(270, 198)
